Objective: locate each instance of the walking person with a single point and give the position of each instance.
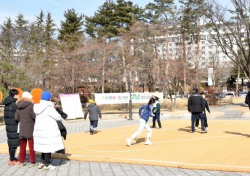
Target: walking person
(11, 125)
(47, 137)
(247, 99)
(196, 106)
(145, 112)
(94, 112)
(26, 118)
(157, 112)
(205, 115)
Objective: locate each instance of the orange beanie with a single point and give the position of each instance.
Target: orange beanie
(36, 95)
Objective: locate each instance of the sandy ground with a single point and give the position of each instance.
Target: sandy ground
(225, 147)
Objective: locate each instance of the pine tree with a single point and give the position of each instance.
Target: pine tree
(71, 31)
(7, 38)
(112, 18)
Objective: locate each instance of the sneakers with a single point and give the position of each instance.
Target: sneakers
(206, 129)
(49, 167)
(40, 165)
(203, 131)
(23, 164)
(148, 142)
(14, 162)
(196, 128)
(129, 140)
(31, 165)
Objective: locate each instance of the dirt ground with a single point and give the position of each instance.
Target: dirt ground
(225, 147)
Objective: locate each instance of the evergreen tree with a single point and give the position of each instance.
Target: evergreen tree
(7, 40)
(71, 31)
(112, 18)
(21, 37)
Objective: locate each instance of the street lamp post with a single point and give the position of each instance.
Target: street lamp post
(130, 92)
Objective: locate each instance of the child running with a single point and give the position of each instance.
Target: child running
(145, 112)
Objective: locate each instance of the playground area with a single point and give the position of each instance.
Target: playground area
(224, 148)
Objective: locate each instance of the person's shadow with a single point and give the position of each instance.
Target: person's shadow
(237, 133)
(186, 129)
(140, 140)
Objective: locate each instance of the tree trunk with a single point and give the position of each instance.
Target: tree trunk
(73, 77)
(197, 53)
(125, 69)
(166, 69)
(238, 77)
(103, 70)
(184, 63)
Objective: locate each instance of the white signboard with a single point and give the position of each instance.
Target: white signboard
(121, 98)
(71, 105)
(210, 76)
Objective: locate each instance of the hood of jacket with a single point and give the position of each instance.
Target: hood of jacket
(39, 108)
(9, 100)
(23, 103)
(91, 105)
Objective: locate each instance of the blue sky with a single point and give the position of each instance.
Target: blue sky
(31, 8)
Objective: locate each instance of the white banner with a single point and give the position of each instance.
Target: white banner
(210, 76)
(71, 105)
(121, 98)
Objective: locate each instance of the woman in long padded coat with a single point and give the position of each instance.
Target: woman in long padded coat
(47, 137)
(11, 124)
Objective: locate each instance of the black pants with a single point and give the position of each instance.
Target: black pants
(157, 117)
(45, 158)
(12, 153)
(205, 121)
(93, 124)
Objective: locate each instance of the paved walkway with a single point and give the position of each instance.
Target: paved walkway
(76, 168)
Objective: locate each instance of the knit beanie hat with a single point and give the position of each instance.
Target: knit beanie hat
(36, 95)
(91, 101)
(46, 95)
(27, 95)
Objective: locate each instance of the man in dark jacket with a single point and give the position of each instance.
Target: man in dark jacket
(247, 99)
(196, 106)
(205, 115)
(94, 111)
(11, 124)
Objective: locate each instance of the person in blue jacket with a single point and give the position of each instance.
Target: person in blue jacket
(145, 112)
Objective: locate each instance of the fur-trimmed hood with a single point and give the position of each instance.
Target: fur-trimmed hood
(22, 103)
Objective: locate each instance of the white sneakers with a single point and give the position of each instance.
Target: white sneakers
(196, 128)
(43, 167)
(49, 167)
(148, 142)
(129, 140)
(40, 165)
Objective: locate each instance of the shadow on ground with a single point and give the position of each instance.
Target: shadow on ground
(237, 133)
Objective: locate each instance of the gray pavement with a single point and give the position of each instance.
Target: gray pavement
(76, 168)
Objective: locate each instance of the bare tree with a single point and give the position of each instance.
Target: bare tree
(231, 31)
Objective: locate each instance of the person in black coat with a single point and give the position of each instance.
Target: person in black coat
(196, 106)
(205, 115)
(247, 99)
(10, 108)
